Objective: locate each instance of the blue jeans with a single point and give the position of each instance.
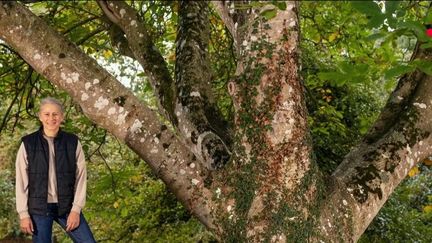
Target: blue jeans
(43, 226)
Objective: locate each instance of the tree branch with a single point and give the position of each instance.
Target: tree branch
(90, 35)
(398, 100)
(399, 140)
(224, 14)
(76, 25)
(200, 121)
(18, 91)
(145, 52)
(108, 103)
(119, 41)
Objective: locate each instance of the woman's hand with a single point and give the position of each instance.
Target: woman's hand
(73, 221)
(26, 226)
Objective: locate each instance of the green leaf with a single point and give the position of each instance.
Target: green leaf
(361, 68)
(401, 12)
(372, 10)
(376, 36)
(39, 8)
(416, 27)
(426, 45)
(376, 21)
(367, 7)
(347, 67)
(392, 22)
(389, 84)
(124, 212)
(336, 78)
(281, 5)
(391, 7)
(424, 66)
(254, 4)
(269, 13)
(328, 75)
(397, 71)
(428, 18)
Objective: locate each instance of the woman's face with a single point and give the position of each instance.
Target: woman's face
(51, 117)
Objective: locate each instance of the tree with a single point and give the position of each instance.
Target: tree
(253, 176)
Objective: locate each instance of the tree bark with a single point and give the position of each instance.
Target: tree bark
(144, 50)
(199, 121)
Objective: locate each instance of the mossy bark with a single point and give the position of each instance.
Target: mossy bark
(199, 120)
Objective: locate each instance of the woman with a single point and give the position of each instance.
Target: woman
(51, 179)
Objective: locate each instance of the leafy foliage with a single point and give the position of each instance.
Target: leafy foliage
(7, 199)
(345, 100)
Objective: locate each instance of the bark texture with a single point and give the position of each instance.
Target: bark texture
(271, 189)
(199, 120)
(143, 49)
(275, 165)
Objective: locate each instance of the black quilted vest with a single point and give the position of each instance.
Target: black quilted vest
(65, 145)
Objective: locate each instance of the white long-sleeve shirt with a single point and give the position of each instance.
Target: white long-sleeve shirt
(21, 186)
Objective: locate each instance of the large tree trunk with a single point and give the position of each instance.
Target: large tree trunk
(270, 189)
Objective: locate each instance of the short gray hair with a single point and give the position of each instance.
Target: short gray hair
(53, 101)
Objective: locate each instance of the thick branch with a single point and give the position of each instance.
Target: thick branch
(200, 121)
(119, 41)
(396, 103)
(224, 14)
(238, 19)
(145, 52)
(108, 103)
(371, 171)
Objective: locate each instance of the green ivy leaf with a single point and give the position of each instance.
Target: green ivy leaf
(269, 13)
(280, 5)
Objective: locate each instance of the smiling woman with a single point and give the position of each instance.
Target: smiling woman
(51, 116)
(51, 179)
